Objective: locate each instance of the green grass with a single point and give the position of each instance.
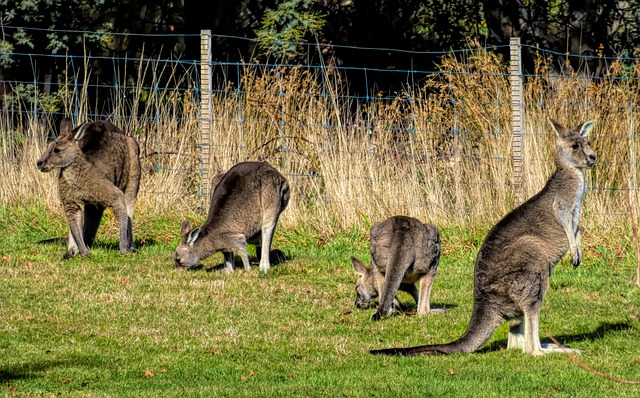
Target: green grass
(132, 326)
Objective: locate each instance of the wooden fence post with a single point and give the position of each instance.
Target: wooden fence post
(205, 115)
(515, 80)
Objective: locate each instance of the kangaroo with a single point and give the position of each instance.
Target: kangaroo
(403, 251)
(245, 206)
(98, 166)
(519, 254)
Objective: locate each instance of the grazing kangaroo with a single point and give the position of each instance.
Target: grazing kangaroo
(245, 206)
(519, 254)
(99, 166)
(403, 251)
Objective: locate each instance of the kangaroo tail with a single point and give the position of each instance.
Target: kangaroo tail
(481, 327)
(399, 262)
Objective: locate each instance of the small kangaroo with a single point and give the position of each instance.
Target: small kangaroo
(99, 166)
(245, 206)
(403, 251)
(519, 254)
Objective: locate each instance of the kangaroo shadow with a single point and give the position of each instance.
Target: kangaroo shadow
(33, 370)
(566, 339)
(54, 241)
(276, 257)
(107, 245)
(115, 244)
(411, 309)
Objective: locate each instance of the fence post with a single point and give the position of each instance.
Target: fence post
(515, 80)
(205, 114)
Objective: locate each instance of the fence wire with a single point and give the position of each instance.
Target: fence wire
(446, 123)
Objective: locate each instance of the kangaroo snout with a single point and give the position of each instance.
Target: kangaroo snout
(361, 304)
(591, 159)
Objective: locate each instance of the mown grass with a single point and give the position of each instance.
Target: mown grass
(132, 326)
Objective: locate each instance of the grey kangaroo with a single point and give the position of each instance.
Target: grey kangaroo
(245, 206)
(519, 254)
(98, 166)
(403, 251)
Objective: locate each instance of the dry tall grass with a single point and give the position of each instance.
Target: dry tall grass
(439, 151)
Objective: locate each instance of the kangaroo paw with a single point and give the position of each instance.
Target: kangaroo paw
(554, 348)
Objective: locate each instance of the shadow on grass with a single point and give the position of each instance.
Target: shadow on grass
(276, 257)
(567, 339)
(411, 309)
(108, 245)
(32, 370)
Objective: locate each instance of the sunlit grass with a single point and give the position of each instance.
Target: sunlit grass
(131, 325)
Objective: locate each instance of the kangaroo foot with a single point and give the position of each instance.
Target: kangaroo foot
(550, 348)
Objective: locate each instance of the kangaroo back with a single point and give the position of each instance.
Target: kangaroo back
(247, 193)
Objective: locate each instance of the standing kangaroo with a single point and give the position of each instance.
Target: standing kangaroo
(519, 254)
(245, 206)
(99, 166)
(403, 251)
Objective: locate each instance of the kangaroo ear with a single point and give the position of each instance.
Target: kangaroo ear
(586, 128)
(89, 135)
(185, 230)
(193, 235)
(66, 125)
(359, 266)
(560, 130)
(188, 235)
(374, 228)
(433, 232)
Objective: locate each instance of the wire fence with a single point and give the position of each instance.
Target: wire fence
(451, 131)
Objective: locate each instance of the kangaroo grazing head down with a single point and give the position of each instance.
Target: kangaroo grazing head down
(366, 289)
(573, 147)
(184, 256)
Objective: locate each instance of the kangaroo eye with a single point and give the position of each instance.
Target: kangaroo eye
(575, 146)
(56, 150)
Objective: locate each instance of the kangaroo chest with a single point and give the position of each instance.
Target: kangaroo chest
(77, 184)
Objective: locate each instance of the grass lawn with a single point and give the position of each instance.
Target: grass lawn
(132, 326)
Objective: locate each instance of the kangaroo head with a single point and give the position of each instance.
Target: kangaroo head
(70, 144)
(366, 289)
(573, 147)
(184, 255)
(60, 153)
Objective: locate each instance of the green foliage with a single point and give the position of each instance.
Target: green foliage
(6, 49)
(292, 22)
(84, 23)
(47, 14)
(450, 22)
(29, 94)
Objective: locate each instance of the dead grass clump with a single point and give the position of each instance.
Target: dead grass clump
(439, 150)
